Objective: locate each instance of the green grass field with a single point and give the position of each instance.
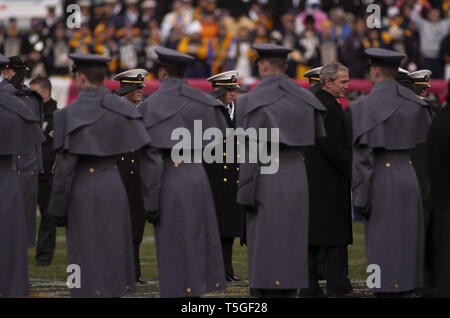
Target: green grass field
(57, 270)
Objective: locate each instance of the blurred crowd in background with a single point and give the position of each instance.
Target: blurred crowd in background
(219, 34)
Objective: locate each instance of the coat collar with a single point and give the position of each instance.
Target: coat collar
(273, 87)
(173, 95)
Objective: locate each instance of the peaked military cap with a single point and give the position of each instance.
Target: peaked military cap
(267, 50)
(87, 60)
(131, 80)
(15, 62)
(228, 80)
(403, 79)
(169, 56)
(383, 57)
(3, 60)
(314, 74)
(421, 78)
(402, 71)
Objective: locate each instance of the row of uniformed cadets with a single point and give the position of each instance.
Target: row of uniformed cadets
(88, 194)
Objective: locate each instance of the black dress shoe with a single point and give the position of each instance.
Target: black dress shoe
(142, 282)
(233, 278)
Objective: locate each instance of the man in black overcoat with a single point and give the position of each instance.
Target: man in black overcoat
(45, 247)
(328, 164)
(439, 172)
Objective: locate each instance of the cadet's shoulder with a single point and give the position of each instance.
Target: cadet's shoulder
(198, 95)
(410, 96)
(28, 92)
(116, 104)
(294, 89)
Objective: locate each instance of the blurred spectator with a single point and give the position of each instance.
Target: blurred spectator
(13, 39)
(209, 25)
(128, 48)
(147, 14)
(197, 46)
(81, 39)
(174, 18)
(259, 16)
(58, 49)
(131, 11)
(85, 10)
(352, 52)
(221, 45)
(240, 52)
(309, 44)
(203, 6)
(149, 55)
(341, 29)
(287, 37)
(328, 49)
(432, 32)
(313, 9)
(175, 37)
(50, 19)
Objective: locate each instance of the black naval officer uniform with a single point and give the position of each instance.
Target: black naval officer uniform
(128, 164)
(224, 179)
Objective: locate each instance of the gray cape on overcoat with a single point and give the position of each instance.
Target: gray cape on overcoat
(88, 190)
(387, 124)
(187, 237)
(19, 130)
(277, 229)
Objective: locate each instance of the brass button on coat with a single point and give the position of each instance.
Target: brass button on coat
(91, 170)
(277, 283)
(32, 173)
(176, 165)
(132, 160)
(225, 179)
(225, 167)
(388, 164)
(188, 290)
(19, 157)
(131, 172)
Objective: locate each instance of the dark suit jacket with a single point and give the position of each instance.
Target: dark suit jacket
(328, 164)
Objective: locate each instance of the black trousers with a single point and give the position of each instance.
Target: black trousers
(137, 260)
(45, 248)
(336, 273)
(227, 252)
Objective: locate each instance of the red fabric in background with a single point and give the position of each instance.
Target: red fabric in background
(438, 87)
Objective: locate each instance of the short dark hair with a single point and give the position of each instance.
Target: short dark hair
(95, 73)
(388, 72)
(43, 82)
(177, 71)
(276, 62)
